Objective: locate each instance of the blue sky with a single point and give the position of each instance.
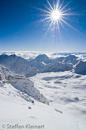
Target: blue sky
(20, 29)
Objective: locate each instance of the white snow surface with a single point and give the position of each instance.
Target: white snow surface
(59, 80)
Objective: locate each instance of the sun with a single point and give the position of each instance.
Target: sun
(56, 15)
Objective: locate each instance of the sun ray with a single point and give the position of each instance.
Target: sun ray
(67, 10)
(42, 10)
(60, 6)
(65, 5)
(49, 26)
(62, 24)
(70, 26)
(50, 5)
(65, 18)
(47, 8)
(44, 19)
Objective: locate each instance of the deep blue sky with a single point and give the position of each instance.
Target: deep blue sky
(21, 31)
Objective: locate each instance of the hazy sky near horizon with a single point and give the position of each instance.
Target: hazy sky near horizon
(21, 28)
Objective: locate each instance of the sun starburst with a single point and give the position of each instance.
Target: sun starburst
(57, 14)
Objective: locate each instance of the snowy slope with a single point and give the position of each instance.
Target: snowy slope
(59, 67)
(71, 59)
(16, 107)
(80, 68)
(14, 110)
(21, 83)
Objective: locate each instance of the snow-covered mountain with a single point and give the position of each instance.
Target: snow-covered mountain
(70, 59)
(20, 83)
(18, 65)
(59, 67)
(42, 58)
(80, 68)
(45, 64)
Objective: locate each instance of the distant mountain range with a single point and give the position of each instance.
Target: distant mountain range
(42, 63)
